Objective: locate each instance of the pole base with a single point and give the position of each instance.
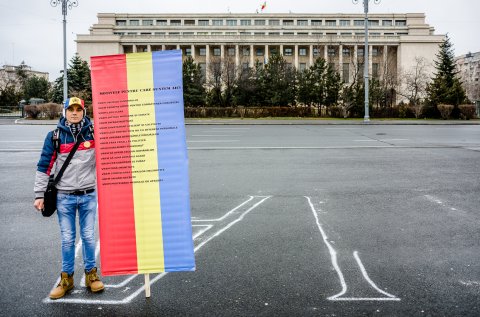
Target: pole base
(366, 119)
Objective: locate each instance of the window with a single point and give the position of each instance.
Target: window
(274, 33)
(346, 51)
(360, 51)
(259, 22)
(373, 23)
(344, 22)
(216, 51)
(374, 34)
(388, 34)
(188, 52)
(245, 33)
(316, 51)
(358, 22)
(147, 22)
(203, 22)
(121, 22)
(216, 33)
(302, 33)
(374, 51)
(302, 22)
(160, 33)
(302, 52)
(302, 67)
(287, 22)
(189, 22)
(175, 22)
(134, 22)
(273, 51)
(331, 51)
(230, 33)
(346, 72)
(259, 52)
(202, 51)
(288, 51)
(330, 22)
(217, 22)
(287, 33)
(187, 33)
(161, 22)
(246, 51)
(245, 22)
(316, 22)
(231, 22)
(174, 33)
(202, 33)
(203, 70)
(145, 33)
(387, 23)
(400, 22)
(274, 22)
(244, 66)
(402, 33)
(346, 34)
(231, 51)
(375, 69)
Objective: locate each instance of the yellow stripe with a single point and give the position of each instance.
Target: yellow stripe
(146, 192)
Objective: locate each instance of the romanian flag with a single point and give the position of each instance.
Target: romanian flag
(264, 5)
(142, 163)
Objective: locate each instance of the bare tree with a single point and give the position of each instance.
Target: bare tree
(413, 83)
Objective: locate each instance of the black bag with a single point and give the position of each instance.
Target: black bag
(50, 196)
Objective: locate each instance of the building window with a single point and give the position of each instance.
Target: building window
(316, 51)
(187, 33)
(216, 33)
(274, 22)
(231, 22)
(259, 33)
(245, 33)
(245, 22)
(302, 22)
(374, 51)
(176, 22)
(230, 33)
(160, 33)
(259, 22)
(147, 22)
(400, 22)
(202, 51)
(174, 33)
(203, 22)
(231, 51)
(316, 22)
(331, 51)
(161, 22)
(360, 51)
(274, 33)
(287, 33)
(373, 23)
(346, 72)
(273, 51)
(346, 51)
(358, 22)
(387, 23)
(145, 33)
(246, 51)
(375, 69)
(188, 51)
(244, 66)
(302, 67)
(287, 22)
(302, 33)
(346, 34)
(216, 51)
(374, 34)
(121, 23)
(189, 22)
(344, 22)
(402, 33)
(134, 22)
(217, 22)
(330, 22)
(302, 52)
(259, 52)
(287, 51)
(203, 70)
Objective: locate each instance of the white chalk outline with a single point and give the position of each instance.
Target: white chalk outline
(227, 214)
(129, 298)
(333, 256)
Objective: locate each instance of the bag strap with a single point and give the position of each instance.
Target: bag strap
(56, 139)
(67, 161)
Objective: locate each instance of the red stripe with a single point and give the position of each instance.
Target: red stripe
(67, 147)
(52, 161)
(115, 202)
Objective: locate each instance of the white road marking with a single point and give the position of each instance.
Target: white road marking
(212, 141)
(333, 256)
(20, 141)
(443, 204)
(215, 135)
(227, 214)
(231, 128)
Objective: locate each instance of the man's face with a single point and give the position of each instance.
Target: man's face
(74, 114)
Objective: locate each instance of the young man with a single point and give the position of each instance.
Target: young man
(76, 192)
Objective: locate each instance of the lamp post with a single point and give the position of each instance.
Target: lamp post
(66, 4)
(366, 57)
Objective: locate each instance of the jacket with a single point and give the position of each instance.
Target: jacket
(80, 173)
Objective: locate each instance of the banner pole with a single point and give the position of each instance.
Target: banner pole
(147, 285)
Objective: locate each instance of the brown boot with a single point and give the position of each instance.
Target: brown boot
(92, 281)
(66, 284)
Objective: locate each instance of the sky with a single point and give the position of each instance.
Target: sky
(31, 30)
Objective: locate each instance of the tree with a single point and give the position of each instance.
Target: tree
(278, 82)
(78, 80)
(193, 90)
(35, 87)
(445, 87)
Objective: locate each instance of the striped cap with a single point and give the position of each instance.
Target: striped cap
(74, 101)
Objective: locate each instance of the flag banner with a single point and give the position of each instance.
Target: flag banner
(142, 163)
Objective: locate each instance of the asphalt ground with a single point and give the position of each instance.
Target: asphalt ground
(288, 220)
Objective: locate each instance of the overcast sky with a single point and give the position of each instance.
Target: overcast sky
(31, 30)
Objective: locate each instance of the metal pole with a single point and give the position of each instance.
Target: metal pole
(65, 78)
(366, 62)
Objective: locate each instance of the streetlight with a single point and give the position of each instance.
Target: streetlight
(65, 4)
(365, 56)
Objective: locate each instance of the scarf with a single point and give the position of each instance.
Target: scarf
(75, 128)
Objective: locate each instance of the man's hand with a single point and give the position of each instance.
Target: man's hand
(38, 204)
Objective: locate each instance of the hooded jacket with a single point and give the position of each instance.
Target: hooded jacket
(80, 173)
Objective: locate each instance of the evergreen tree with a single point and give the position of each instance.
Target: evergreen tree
(78, 80)
(35, 87)
(193, 90)
(278, 82)
(445, 87)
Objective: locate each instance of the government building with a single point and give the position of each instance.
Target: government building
(395, 40)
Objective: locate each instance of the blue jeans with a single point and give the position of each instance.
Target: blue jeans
(67, 206)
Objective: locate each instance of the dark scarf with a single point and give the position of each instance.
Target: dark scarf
(75, 127)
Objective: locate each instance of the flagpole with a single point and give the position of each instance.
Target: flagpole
(147, 285)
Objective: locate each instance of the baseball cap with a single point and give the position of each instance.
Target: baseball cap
(74, 101)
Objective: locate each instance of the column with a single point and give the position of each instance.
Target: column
(310, 60)
(222, 51)
(355, 62)
(149, 48)
(325, 53)
(134, 48)
(237, 55)
(192, 47)
(296, 56)
(252, 61)
(207, 61)
(385, 59)
(281, 49)
(178, 46)
(340, 60)
(163, 47)
(370, 59)
(266, 54)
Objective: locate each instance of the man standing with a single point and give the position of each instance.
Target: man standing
(76, 192)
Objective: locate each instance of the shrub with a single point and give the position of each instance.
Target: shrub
(32, 111)
(51, 110)
(445, 110)
(467, 112)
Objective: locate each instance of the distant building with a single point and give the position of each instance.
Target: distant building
(8, 74)
(468, 66)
